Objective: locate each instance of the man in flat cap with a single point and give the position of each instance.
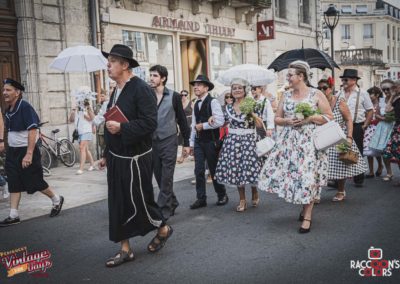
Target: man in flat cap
(23, 161)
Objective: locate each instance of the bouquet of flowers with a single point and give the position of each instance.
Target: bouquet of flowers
(304, 110)
(247, 106)
(389, 116)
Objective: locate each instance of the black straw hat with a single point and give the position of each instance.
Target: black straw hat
(14, 83)
(203, 79)
(124, 52)
(350, 73)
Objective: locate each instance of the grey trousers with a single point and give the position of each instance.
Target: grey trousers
(164, 160)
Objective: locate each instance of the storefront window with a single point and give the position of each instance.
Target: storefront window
(151, 49)
(224, 55)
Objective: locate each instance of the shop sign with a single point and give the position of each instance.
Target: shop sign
(265, 30)
(171, 23)
(191, 26)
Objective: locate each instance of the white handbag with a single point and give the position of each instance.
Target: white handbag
(328, 135)
(264, 146)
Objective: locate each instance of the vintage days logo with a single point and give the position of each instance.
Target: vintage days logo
(375, 266)
(19, 260)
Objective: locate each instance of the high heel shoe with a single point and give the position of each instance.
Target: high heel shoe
(255, 199)
(242, 206)
(303, 230)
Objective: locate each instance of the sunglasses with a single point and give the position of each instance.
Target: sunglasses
(323, 88)
(228, 97)
(184, 95)
(254, 88)
(386, 89)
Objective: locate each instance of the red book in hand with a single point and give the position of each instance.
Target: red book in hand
(115, 114)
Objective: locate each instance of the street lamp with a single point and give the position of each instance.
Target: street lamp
(331, 18)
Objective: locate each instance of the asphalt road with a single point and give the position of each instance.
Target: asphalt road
(219, 245)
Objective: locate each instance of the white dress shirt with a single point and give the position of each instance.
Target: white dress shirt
(364, 104)
(217, 113)
(268, 115)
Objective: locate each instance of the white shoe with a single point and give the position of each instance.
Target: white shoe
(91, 168)
(79, 172)
(6, 193)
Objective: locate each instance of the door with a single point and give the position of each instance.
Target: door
(194, 60)
(9, 65)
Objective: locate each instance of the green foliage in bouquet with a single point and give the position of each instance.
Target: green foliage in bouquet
(247, 105)
(389, 117)
(343, 147)
(305, 109)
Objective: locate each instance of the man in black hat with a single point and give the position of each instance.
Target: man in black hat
(361, 108)
(132, 209)
(23, 161)
(203, 140)
(165, 139)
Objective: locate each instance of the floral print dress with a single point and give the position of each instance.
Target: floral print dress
(238, 163)
(294, 169)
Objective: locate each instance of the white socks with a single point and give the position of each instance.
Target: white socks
(56, 199)
(14, 213)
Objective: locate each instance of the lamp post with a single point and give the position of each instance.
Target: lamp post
(331, 19)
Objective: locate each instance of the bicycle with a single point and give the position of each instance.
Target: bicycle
(59, 147)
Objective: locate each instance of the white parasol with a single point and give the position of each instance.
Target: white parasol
(252, 73)
(84, 58)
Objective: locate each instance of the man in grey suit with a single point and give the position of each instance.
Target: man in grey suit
(165, 139)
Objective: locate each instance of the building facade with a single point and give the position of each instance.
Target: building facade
(368, 38)
(296, 24)
(189, 37)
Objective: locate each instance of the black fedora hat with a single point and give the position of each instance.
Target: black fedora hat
(350, 73)
(203, 79)
(124, 52)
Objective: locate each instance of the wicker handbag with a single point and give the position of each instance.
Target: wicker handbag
(349, 158)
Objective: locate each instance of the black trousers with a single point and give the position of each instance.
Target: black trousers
(206, 151)
(358, 136)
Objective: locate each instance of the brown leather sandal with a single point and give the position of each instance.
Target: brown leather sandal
(158, 241)
(120, 258)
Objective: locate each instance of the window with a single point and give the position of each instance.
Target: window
(346, 32)
(150, 49)
(368, 33)
(280, 8)
(398, 54)
(388, 53)
(361, 9)
(224, 55)
(388, 31)
(394, 33)
(346, 9)
(305, 11)
(398, 34)
(394, 54)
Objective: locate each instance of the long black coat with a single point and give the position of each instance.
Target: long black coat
(131, 205)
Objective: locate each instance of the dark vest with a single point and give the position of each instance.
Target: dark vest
(202, 116)
(166, 117)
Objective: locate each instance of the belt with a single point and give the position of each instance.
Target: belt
(241, 131)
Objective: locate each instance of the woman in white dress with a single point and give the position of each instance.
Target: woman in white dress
(294, 169)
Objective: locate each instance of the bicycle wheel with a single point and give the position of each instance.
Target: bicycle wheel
(45, 157)
(67, 152)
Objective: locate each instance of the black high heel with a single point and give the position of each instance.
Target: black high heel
(304, 231)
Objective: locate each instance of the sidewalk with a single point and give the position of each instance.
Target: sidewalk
(76, 189)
